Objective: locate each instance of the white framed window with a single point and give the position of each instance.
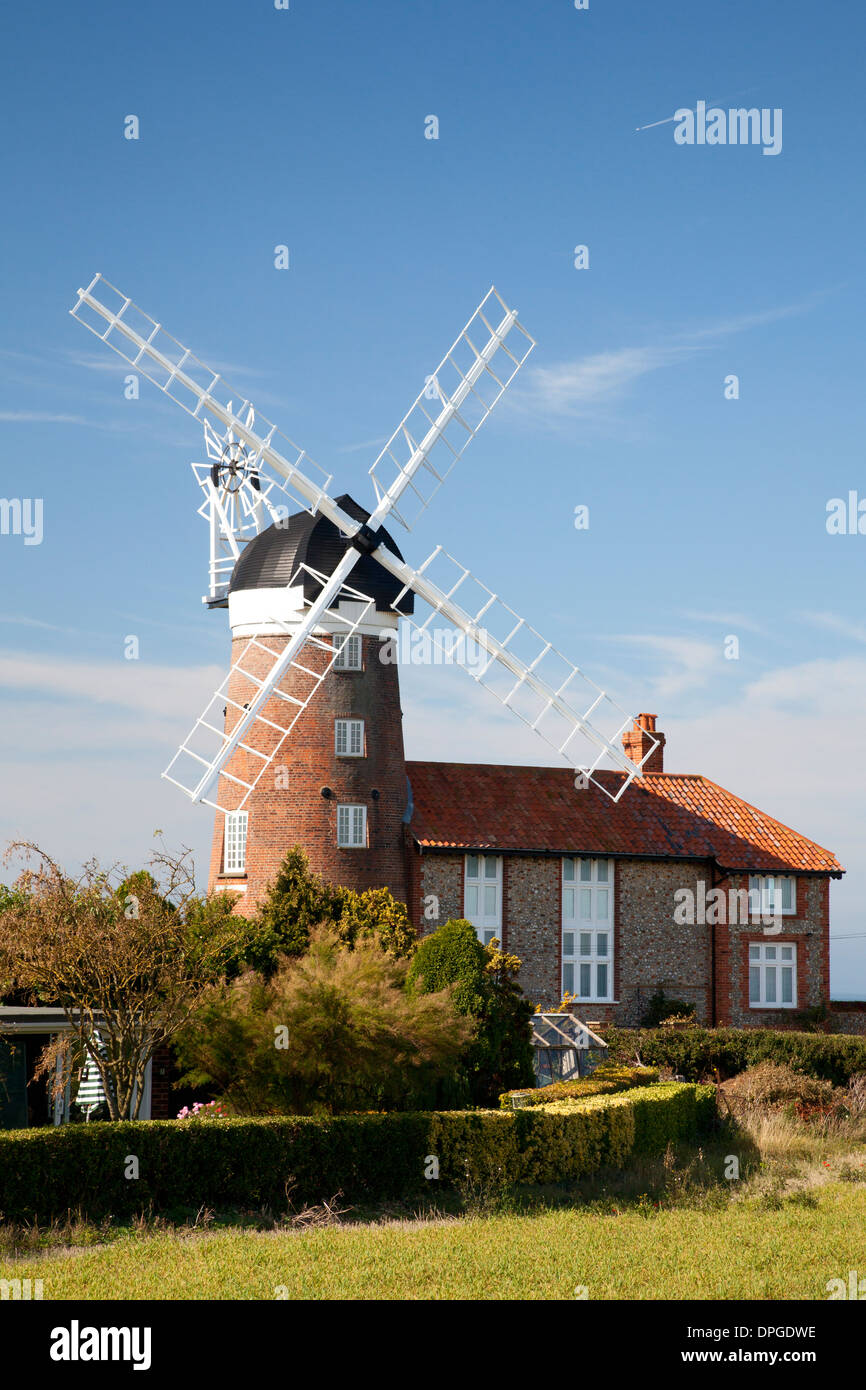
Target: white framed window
(482, 895)
(235, 845)
(349, 738)
(772, 976)
(349, 658)
(352, 827)
(772, 895)
(587, 929)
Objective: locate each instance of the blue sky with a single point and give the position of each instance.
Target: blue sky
(306, 128)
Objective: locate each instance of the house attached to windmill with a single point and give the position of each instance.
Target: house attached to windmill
(678, 884)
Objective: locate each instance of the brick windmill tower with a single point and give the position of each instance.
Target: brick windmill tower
(302, 741)
(341, 791)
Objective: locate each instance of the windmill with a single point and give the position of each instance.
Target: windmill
(256, 475)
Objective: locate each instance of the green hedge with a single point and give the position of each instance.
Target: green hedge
(699, 1053)
(606, 1080)
(44, 1173)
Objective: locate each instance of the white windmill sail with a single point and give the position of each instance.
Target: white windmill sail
(521, 668)
(224, 756)
(538, 684)
(200, 391)
(456, 400)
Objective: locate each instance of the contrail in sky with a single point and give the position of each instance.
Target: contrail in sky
(708, 104)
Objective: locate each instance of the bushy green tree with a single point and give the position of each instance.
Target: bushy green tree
(484, 983)
(332, 1030)
(299, 900)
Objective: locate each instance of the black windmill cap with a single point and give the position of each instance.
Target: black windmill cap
(272, 558)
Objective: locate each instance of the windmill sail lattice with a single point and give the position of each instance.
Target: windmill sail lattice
(233, 742)
(521, 668)
(255, 467)
(457, 399)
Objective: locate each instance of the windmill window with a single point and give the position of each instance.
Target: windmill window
(482, 895)
(349, 738)
(349, 657)
(587, 929)
(235, 849)
(352, 827)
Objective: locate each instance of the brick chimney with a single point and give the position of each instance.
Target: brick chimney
(639, 740)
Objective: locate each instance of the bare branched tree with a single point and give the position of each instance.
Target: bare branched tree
(116, 952)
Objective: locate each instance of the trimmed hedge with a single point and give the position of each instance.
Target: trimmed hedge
(698, 1053)
(606, 1080)
(645, 1120)
(44, 1173)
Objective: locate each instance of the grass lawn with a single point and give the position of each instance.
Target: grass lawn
(750, 1249)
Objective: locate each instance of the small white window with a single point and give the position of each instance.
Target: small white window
(482, 895)
(352, 827)
(235, 852)
(772, 895)
(349, 657)
(772, 976)
(587, 929)
(349, 738)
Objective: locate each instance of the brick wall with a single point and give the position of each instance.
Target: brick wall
(532, 922)
(848, 1015)
(652, 950)
(287, 807)
(807, 928)
(442, 876)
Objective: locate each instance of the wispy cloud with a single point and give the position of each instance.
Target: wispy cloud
(833, 623)
(160, 692)
(575, 388)
(587, 386)
(734, 622)
(362, 444)
(687, 664)
(44, 417)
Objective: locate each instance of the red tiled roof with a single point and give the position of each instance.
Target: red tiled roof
(661, 815)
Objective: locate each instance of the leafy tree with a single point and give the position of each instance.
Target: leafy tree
(332, 1030)
(484, 981)
(299, 900)
(376, 915)
(118, 957)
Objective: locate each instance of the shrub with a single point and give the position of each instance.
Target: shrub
(660, 1008)
(254, 1163)
(701, 1053)
(607, 1079)
(769, 1084)
(484, 984)
(299, 900)
(334, 1030)
(855, 1096)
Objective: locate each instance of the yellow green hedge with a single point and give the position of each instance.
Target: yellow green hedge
(183, 1164)
(607, 1079)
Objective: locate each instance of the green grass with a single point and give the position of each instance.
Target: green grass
(787, 1248)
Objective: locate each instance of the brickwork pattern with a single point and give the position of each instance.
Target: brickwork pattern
(287, 807)
(651, 949)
